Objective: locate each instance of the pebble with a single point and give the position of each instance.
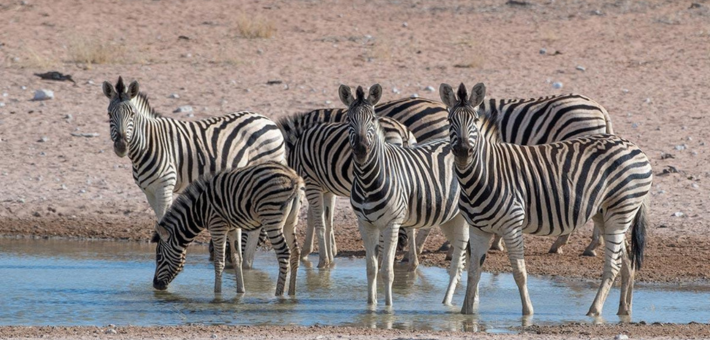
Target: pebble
(429, 89)
(5, 94)
(90, 82)
(404, 24)
(110, 331)
(174, 96)
(327, 102)
(43, 139)
(678, 214)
(647, 100)
(36, 214)
(187, 55)
(634, 125)
(414, 95)
(621, 337)
(680, 147)
(21, 200)
(2, 104)
(695, 185)
(213, 336)
(23, 87)
(543, 51)
(183, 109)
(597, 12)
(581, 68)
(63, 187)
(82, 191)
(625, 90)
(259, 51)
(190, 115)
(694, 153)
(85, 134)
(43, 94)
(68, 116)
(396, 90)
(557, 85)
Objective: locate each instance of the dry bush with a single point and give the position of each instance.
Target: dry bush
(95, 51)
(254, 27)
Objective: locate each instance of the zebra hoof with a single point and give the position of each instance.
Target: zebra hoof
(555, 251)
(590, 253)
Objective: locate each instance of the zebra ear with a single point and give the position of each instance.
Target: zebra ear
(375, 94)
(346, 96)
(133, 89)
(477, 94)
(109, 91)
(162, 233)
(447, 95)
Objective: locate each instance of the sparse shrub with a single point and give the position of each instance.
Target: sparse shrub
(254, 27)
(95, 51)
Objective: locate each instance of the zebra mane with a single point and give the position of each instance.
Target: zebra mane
(488, 127)
(293, 126)
(193, 190)
(140, 102)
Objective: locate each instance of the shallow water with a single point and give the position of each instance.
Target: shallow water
(59, 282)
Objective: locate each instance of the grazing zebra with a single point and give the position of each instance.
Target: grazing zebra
(395, 187)
(544, 120)
(321, 154)
(549, 189)
(266, 195)
(167, 154)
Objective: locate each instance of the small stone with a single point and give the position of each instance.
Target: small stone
(187, 55)
(21, 200)
(621, 337)
(43, 94)
(101, 151)
(63, 187)
(36, 214)
(404, 24)
(5, 94)
(183, 109)
(688, 138)
(581, 68)
(23, 87)
(396, 90)
(694, 185)
(213, 336)
(2, 104)
(43, 139)
(259, 51)
(680, 147)
(414, 95)
(543, 51)
(327, 102)
(429, 89)
(85, 134)
(678, 214)
(189, 115)
(174, 96)
(634, 125)
(90, 82)
(557, 85)
(68, 116)
(368, 37)
(110, 331)
(647, 100)
(625, 90)
(694, 153)
(82, 191)
(597, 12)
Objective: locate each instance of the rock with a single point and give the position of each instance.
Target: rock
(68, 116)
(581, 68)
(189, 115)
(110, 331)
(21, 200)
(187, 55)
(621, 337)
(647, 100)
(85, 134)
(694, 153)
(36, 214)
(634, 125)
(429, 89)
(414, 95)
(183, 109)
(213, 336)
(23, 87)
(678, 214)
(2, 104)
(43, 139)
(625, 90)
(82, 191)
(680, 147)
(174, 96)
(597, 12)
(90, 82)
(259, 51)
(557, 85)
(695, 185)
(43, 94)
(543, 51)
(63, 187)
(396, 90)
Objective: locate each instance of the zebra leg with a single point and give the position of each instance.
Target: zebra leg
(218, 235)
(290, 235)
(513, 239)
(498, 243)
(596, 239)
(479, 243)
(315, 200)
(413, 259)
(370, 235)
(614, 239)
(308, 241)
(274, 229)
(421, 239)
(561, 241)
(235, 237)
(456, 232)
(390, 235)
(328, 206)
(627, 282)
(252, 244)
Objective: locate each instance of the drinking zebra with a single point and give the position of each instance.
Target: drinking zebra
(544, 120)
(167, 154)
(321, 154)
(266, 195)
(549, 189)
(395, 187)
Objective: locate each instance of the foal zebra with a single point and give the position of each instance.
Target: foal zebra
(168, 154)
(545, 120)
(397, 187)
(549, 189)
(322, 156)
(266, 195)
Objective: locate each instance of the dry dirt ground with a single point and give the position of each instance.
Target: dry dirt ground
(647, 62)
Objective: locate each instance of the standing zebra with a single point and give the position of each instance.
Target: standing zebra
(321, 154)
(168, 154)
(266, 195)
(549, 189)
(544, 120)
(395, 186)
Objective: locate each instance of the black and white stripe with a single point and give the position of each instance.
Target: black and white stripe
(266, 195)
(395, 187)
(549, 190)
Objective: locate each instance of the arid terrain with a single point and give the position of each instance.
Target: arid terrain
(647, 62)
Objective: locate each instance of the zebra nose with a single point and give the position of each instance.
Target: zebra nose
(462, 150)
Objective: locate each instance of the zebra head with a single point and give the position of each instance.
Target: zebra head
(463, 120)
(169, 257)
(121, 113)
(362, 121)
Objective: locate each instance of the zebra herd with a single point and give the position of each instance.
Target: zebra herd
(477, 168)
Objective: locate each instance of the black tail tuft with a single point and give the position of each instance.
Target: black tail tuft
(638, 237)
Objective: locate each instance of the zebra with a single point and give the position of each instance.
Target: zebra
(321, 154)
(167, 154)
(549, 189)
(266, 195)
(396, 186)
(544, 120)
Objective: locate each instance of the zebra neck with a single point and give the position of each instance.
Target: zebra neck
(187, 219)
(144, 137)
(476, 182)
(370, 174)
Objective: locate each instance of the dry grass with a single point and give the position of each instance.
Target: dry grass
(254, 27)
(32, 59)
(548, 35)
(95, 51)
(473, 55)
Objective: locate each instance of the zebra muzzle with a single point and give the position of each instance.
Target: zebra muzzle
(120, 147)
(159, 285)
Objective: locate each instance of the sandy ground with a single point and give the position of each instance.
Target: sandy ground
(647, 62)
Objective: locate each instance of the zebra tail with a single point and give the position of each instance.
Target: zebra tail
(607, 118)
(638, 236)
(298, 192)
